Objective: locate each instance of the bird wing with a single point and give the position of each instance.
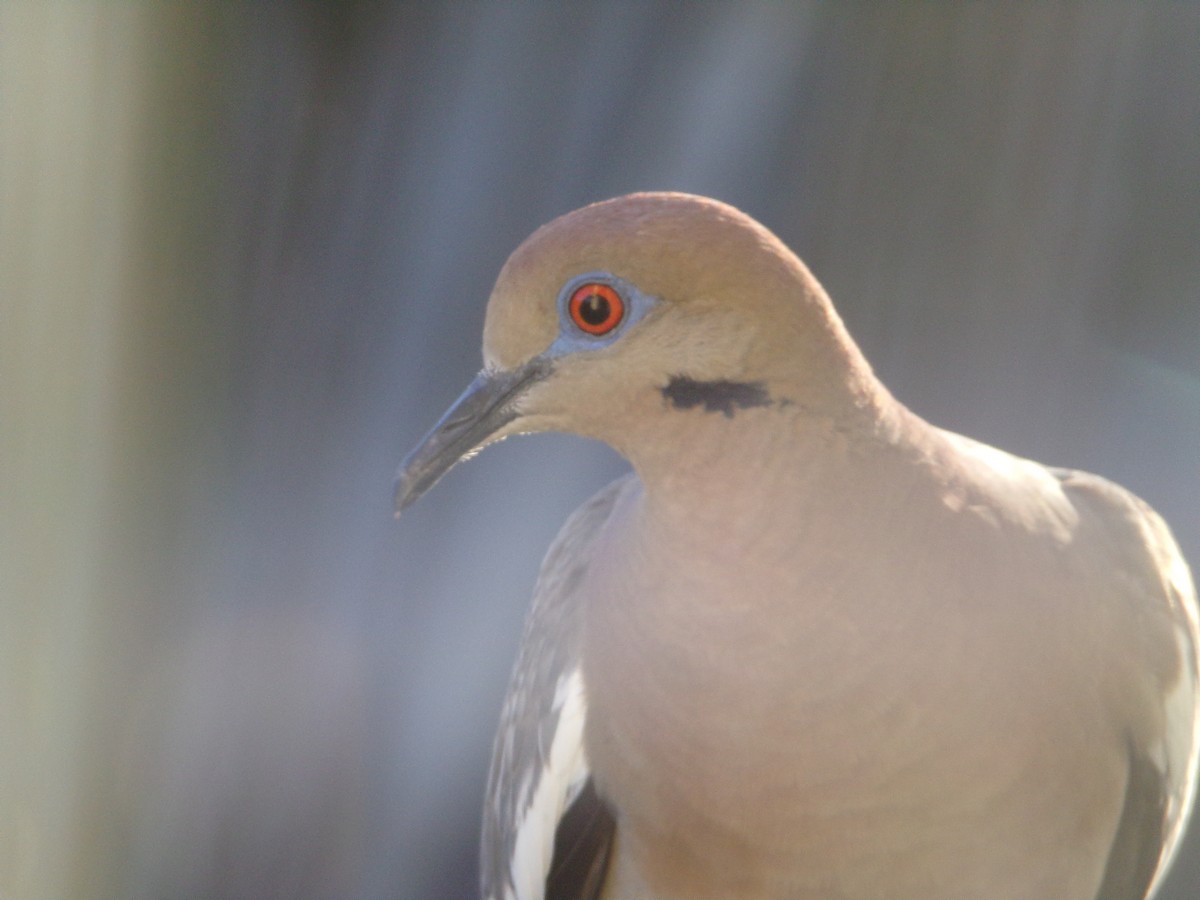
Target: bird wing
(546, 831)
(1161, 772)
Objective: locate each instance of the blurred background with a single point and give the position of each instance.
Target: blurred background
(244, 256)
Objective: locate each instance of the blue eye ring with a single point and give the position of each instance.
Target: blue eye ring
(595, 309)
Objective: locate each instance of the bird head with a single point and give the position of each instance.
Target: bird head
(611, 317)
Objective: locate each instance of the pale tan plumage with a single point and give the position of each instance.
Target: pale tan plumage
(813, 646)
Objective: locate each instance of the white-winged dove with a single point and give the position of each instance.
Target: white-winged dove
(812, 646)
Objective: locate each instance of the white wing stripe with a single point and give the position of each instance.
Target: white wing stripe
(558, 783)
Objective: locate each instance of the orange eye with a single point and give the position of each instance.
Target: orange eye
(596, 308)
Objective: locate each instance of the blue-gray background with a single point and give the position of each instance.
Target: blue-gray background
(244, 256)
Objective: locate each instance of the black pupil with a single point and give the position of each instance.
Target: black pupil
(595, 309)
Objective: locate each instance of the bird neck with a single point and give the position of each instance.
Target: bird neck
(722, 451)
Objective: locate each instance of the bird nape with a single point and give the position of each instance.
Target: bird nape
(812, 645)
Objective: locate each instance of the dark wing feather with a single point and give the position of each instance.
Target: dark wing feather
(582, 845)
(1138, 846)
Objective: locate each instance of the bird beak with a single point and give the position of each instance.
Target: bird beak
(487, 405)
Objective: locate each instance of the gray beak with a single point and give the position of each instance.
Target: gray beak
(487, 405)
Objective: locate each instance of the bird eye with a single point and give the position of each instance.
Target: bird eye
(596, 308)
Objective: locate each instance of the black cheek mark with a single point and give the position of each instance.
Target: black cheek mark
(715, 396)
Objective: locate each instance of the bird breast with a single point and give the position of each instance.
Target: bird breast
(812, 715)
